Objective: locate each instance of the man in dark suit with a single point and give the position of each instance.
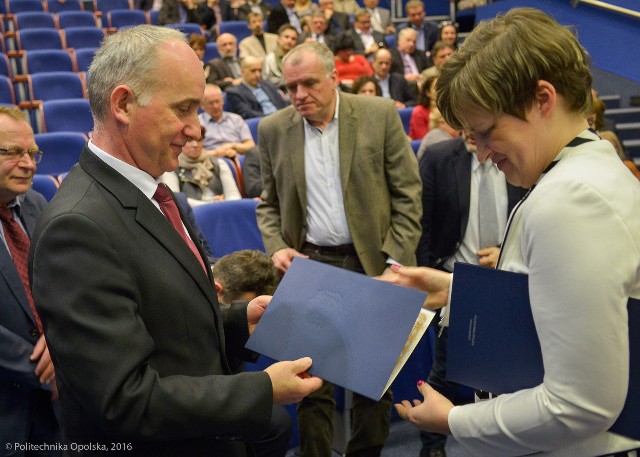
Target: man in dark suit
(319, 31)
(28, 385)
(451, 177)
(282, 14)
(366, 40)
(406, 59)
(254, 97)
(124, 289)
(428, 31)
(393, 85)
(342, 188)
(337, 22)
(225, 72)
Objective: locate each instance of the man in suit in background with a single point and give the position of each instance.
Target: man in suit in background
(366, 40)
(428, 31)
(336, 22)
(406, 59)
(28, 385)
(393, 85)
(282, 14)
(259, 44)
(380, 17)
(319, 31)
(124, 290)
(341, 186)
(225, 72)
(451, 225)
(254, 97)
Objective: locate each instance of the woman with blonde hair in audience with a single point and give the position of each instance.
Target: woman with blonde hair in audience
(202, 178)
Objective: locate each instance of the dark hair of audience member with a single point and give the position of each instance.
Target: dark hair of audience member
(361, 81)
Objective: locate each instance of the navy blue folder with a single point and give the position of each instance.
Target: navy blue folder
(353, 327)
(493, 344)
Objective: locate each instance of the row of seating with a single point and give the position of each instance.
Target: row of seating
(46, 60)
(56, 6)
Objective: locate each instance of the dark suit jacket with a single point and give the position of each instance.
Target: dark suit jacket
(379, 177)
(134, 326)
(446, 185)
(338, 23)
(242, 101)
(251, 173)
(397, 65)
(241, 13)
(328, 38)
(218, 70)
(170, 13)
(277, 17)
(23, 400)
(358, 47)
(431, 32)
(399, 89)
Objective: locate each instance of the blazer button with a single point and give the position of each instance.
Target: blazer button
(33, 332)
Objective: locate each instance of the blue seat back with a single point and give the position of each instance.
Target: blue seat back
(47, 185)
(68, 115)
(61, 151)
(39, 38)
(34, 19)
(55, 85)
(83, 37)
(75, 18)
(47, 60)
(57, 6)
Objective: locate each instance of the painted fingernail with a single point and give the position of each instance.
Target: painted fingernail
(420, 382)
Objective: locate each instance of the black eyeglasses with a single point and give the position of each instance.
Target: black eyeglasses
(15, 153)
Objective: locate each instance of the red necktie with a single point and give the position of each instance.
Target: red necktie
(168, 206)
(19, 243)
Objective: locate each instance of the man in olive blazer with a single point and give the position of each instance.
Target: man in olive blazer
(379, 174)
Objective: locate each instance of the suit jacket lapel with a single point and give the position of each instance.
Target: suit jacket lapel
(295, 138)
(347, 126)
(463, 182)
(148, 217)
(12, 278)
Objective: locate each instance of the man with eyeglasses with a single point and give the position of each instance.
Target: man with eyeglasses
(28, 385)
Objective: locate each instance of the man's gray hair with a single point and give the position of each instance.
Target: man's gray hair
(297, 55)
(128, 57)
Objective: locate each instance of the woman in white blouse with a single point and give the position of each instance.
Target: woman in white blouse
(520, 84)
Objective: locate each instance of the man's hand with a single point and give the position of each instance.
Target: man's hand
(44, 367)
(432, 415)
(290, 381)
(282, 259)
(255, 310)
(435, 282)
(488, 257)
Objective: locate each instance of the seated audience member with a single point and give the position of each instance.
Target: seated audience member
(349, 65)
(337, 22)
(318, 31)
(178, 11)
(244, 8)
(449, 33)
(283, 13)
(427, 31)
(227, 133)
(439, 131)
(28, 388)
(380, 17)
(260, 43)
(596, 118)
(225, 72)
(207, 19)
(419, 122)
(393, 85)
(439, 55)
(254, 97)
(406, 59)
(251, 173)
(272, 67)
(202, 178)
(304, 9)
(615, 141)
(366, 85)
(198, 44)
(366, 40)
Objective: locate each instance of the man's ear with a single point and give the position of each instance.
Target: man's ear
(219, 288)
(546, 98)
(122, 103)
